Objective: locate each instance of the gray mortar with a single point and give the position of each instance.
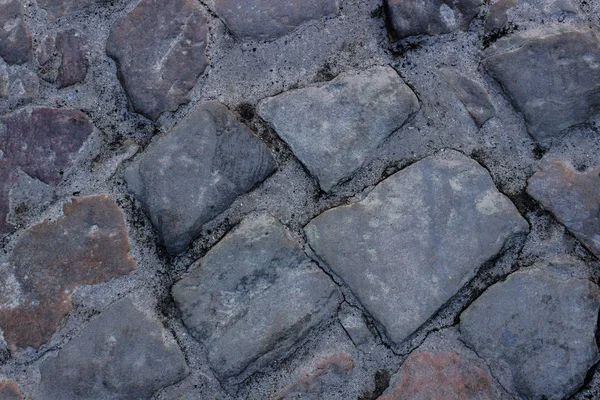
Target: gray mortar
(239, 76)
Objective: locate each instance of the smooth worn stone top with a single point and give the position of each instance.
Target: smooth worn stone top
(406, 18)
(188, 177)
(551, 77)
(125, 353)
(473, 96)
(88, 245)
(270, 19)
(416, 239)
(15, 41)
(333, 127)
(159, 48)
(42, 142)
(440, 376)
(572, 196)
(536, 330)
(253, 296)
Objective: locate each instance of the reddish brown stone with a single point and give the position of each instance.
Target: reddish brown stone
(572, 196)
(159, 48)
(444, 376)
(63, 59)
(42, 142)
(312, 382)
(87, 246)
(10, 391)
(15, 41)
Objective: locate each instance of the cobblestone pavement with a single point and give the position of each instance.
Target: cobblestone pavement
(301, 199)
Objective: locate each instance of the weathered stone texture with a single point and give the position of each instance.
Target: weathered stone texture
(474, 97)
(88, 245)
(188, 177)
(536, 330)
(253, 296)
(333, 128)
(122, 354)
(441, 376)
(270, 19)
(572, 196)
(159, 48)
(61, 8)
(10, 391)
(414, 17)
(63, 58)
(416, 239)
(552, 78)
(15, 41)
(42, 142)
(311, 385)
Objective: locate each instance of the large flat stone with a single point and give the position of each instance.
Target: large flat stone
(159, 48)
(123, 354)
(406, 18)
(253, 296)
(87, 245)
(332, 128)
(536, 330)
(42, 142)
(572, 196)
(440, 376)
(15, 41)
(188, 177)
(270, 19)
(416, 239)
(551, 77)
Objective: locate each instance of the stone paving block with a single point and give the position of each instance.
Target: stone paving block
(253, 296)
(443, 376)
(10, 391)
(270, 19)
(550, 77)
(124, 353)
(406, 18)
(188, 177)
(332, 128)
(87, 245)
(522, 10)
(416, 239)
(159, 48)
(473, 96)
(15, 41)
(42, 142)
(572, 196)
(536, 330)
(74, 64)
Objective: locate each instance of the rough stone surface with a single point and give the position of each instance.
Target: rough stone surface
(88, 245)
(507, 15)
(10, 391)
(551, 77)
(406, 18)
(159, 48)
(416, 239)
(443, 376)
(253, 296)
(311, 385)
(332, 128)
(536, 330)
(42, 142)
(63, 58)
(473, 96)
(195, 172)
(270, 19)
(60, 8)
(497, 15)
(122, 354)
(15, 41)
(572, 196)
